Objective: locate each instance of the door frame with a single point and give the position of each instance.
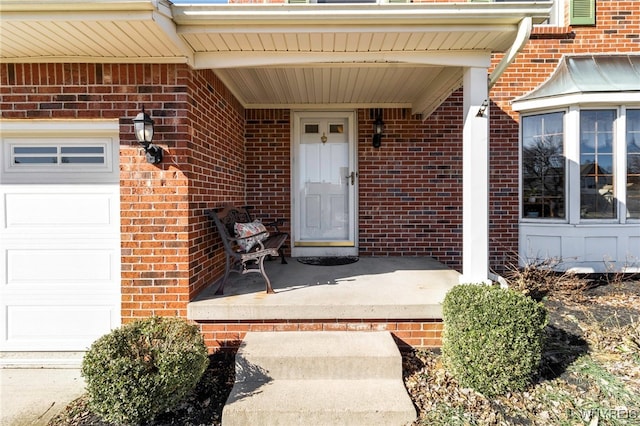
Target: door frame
(325, 249)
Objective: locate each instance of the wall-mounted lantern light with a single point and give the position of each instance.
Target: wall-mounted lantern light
(482, 108)
(378, 128)
(143, 128)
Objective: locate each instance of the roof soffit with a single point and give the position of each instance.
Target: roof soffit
(423, 45)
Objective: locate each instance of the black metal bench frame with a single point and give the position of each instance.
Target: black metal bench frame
(238, 260)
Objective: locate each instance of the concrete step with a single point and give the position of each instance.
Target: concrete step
(318, 378)
(318, 355)
(319, 403)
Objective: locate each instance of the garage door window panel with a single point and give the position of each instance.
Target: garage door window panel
(58, 155)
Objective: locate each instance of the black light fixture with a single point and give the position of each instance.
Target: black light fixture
(483, 108)
(143, 128)
(378, 128)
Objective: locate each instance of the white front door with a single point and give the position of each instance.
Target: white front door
(324, 184)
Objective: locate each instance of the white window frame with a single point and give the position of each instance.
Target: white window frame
(58, 134)
(556, 15)
(621, 178)
(571, 134)
(58, 146)
(521, 214)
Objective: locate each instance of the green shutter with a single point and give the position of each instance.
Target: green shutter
(298, 1)
(582, 12)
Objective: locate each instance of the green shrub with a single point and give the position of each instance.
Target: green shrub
(143, 368)
(493, 337)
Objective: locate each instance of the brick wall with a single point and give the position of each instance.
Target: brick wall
(415, 333)
(617, 31)
(216, 173)
(409, 188)
(268, 164)
(169, 252)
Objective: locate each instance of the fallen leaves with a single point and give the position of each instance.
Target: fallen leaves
(592, 378)
(590, 375)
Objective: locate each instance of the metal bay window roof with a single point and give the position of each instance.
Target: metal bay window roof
(587, 78)
(280, 55)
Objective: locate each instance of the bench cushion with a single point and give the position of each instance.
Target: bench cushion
(249, 234)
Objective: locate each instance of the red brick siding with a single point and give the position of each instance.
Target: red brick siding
(617, 31)
(217, 171)
(268, 163)
(169, 252)
(415, 333)
(409, 188)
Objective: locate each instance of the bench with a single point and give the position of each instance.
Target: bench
(247, 254)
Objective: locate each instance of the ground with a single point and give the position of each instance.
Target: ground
(590, 372)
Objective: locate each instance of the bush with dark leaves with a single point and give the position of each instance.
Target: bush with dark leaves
(144, 368)
(493, 337)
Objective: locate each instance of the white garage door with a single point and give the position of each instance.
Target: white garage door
(59, 234)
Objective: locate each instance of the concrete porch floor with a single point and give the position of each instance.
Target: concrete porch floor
(371, 288)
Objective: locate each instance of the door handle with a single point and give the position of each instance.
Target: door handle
(352, 176)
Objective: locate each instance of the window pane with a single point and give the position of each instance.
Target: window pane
(633, 163)
(543, 166)
(82, 155)
(35, 160)
(82, 160)
(35, 155)
(35, 150)
(336, 128)
(82, 150)
(597, 191)
(311, 128)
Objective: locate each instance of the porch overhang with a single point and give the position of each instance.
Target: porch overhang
(280, 55)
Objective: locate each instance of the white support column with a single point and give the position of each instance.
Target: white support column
(475, 178)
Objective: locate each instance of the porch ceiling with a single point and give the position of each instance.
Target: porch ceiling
(367, 55)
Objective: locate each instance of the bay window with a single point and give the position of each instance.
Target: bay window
(606, 154)
(543, 166)
(597, 195)
(580, 165)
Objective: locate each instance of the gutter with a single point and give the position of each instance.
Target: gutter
(522, 37)
(524, 31)
(39, 6)
(421, 14)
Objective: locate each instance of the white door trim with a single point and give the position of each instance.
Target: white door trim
(328, 249)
